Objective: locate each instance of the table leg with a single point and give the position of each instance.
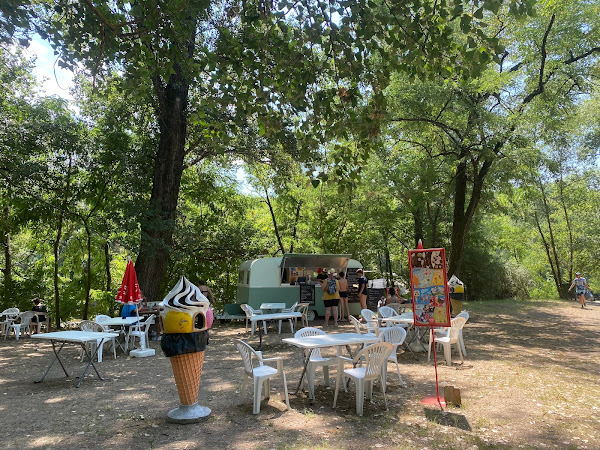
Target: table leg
(90, 363)
(306, 360)
(56, 357)
(407, 344)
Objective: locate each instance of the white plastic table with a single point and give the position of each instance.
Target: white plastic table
(406, 319)
(76, 337)
(9, 320)
(337, 340)
(272, 307)
(119, 322)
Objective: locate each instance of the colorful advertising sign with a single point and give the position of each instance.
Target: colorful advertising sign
(429, 287)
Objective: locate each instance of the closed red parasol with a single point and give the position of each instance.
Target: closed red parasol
(129, 292)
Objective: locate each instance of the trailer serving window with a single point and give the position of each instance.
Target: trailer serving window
(302, 265)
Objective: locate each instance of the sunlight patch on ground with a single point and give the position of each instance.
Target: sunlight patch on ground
(56, 400)
(44, 441)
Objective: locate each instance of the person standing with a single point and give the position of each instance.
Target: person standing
(581, 287)
(362, 289)
(331, 297)
(344, 311)
(206, 291)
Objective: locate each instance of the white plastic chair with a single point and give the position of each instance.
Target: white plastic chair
(250, 311)
(386, 311)
(9, 315)
(371, 321)
(303, 309)
(260, 374)
(89, 325)
(359, 327)
(449, 338)
(394, 336)
(316, 359)
(464, 314)
(140, 330)
(23, 325)
(375, 357)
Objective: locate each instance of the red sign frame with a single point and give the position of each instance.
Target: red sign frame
(429, 287)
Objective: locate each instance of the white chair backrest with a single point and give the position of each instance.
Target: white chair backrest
(25, 317)
(89, 325)
(291, 308)
(12, 312)
(368, 315)
(247, 352)
(310, 331)
(456, 325)
(371, 319)
(386, 311)
(375, 355)
(102, 318)
(249, 310)
(393, 335)
(464, 314)
(357, 326)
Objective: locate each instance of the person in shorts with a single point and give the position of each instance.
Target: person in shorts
(344, 311)
(581, 287)
(331, 300)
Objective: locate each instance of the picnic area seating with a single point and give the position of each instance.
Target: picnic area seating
(375, 357)
(260, 374)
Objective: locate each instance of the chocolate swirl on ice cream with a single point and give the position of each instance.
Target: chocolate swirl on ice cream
(185, 295)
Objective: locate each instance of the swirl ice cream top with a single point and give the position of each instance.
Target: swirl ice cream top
(186, 310)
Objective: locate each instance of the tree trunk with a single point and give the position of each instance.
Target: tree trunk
(568, 223)
(88, 269)
(418, 224)
(159, 224)
(274, 220)
(463, 217)
(107, 266)
(8, 280)
(56, 244)
(295, 230)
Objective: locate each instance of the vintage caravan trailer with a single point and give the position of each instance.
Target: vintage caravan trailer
(293, 278)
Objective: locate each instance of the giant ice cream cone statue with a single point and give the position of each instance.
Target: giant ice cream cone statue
(186, 319)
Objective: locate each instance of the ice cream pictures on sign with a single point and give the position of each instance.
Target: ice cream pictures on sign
(429, 287)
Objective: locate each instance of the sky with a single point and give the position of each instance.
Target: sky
(53, 79)
(56, 81)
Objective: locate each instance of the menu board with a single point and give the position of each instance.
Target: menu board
(307, 293)
(374, 295)
(352, 285)
(429, 287)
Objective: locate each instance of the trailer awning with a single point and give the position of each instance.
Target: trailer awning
(314, 260)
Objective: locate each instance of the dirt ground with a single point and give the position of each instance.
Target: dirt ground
(530, 380)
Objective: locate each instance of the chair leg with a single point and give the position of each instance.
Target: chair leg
(280, 326)
(448, 353)
(429, 350)
(253, 325)
(326, 375)
(267, 387)
(285, 390)
(360, 396)
(257, 395)
(100, 344)
(291, 327)
(462, 343)
(244, 385)
(384, 396)
(265, 326)
(338, 380)
(310, 377)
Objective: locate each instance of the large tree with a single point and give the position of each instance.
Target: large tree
(280, 65)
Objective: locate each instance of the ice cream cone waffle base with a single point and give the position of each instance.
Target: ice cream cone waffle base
(187, 369)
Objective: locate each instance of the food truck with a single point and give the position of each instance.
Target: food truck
(293, 278)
